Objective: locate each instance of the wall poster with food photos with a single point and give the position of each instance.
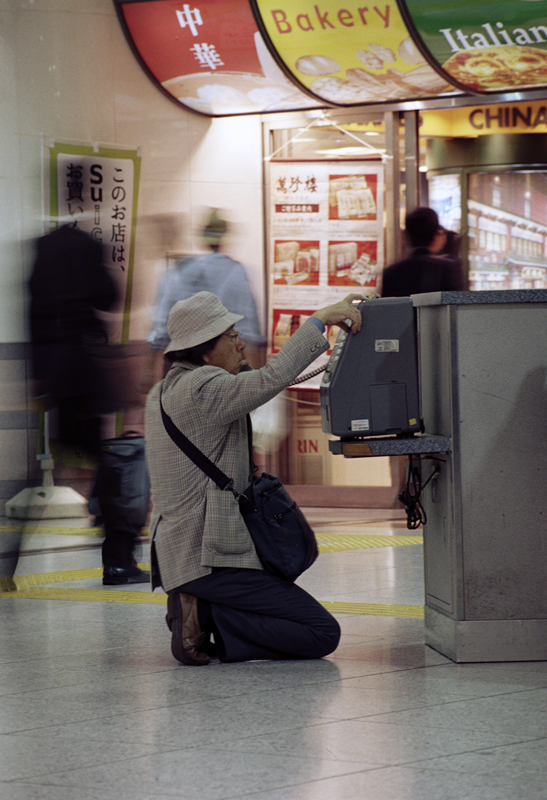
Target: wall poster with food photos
(325, 241)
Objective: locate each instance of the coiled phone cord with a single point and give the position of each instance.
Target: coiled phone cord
(410, 497)
(309, 375)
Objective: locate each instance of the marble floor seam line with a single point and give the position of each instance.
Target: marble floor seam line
(262, 695)
(423, 761)
(223, 695)
(414, 764)
(83, 794)
(165, 793)
(296, 684)
(498, 695)
(297, 784)
(318, 723)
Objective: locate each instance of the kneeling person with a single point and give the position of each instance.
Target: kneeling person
(206, 558)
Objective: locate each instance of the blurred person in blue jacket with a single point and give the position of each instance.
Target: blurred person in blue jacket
(214, 272)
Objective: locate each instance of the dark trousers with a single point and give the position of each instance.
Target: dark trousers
(119, 546)
(121, 495)
(255, 615)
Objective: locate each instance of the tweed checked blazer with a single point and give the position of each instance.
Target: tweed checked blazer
(197, 526)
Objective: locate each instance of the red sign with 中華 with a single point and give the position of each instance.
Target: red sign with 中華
(176, 38)
(209, 55)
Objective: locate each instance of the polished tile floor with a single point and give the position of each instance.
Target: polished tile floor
(93, 706)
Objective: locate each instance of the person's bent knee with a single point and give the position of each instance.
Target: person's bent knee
(327, 639)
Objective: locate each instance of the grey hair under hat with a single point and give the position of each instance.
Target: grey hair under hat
(197, 320)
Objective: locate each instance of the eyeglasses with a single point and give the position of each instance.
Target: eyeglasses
(233, 336)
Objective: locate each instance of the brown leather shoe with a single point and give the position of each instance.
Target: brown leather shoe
(186, 634)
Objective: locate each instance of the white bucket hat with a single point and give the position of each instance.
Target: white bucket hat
(196, 320)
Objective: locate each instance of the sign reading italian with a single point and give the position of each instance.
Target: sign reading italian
(483, 45)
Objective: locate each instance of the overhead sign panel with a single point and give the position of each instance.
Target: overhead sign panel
(224, 57)
(347, 53)
(484, 46)
(209, 55)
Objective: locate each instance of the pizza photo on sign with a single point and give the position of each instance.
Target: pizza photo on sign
(494, 68)
(352, 197)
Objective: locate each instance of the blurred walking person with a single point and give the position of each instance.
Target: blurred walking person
(214, 272)
(422, 270)
(68, 286)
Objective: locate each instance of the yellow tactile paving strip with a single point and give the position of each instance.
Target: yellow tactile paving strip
(40, 586)
(333, 543)
(27, 588)
(23, 527)
(328, 543)
(373, 609)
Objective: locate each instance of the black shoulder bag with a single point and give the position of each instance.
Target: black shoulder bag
(284, 541)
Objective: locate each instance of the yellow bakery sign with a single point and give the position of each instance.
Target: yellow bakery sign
(347, 53)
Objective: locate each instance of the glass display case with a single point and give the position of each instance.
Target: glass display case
(445, 196)
(507, 230)
(504, 226)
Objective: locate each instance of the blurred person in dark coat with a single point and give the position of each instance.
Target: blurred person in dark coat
(68, 286)
(423, 270)
(69, 283)
(452, 247)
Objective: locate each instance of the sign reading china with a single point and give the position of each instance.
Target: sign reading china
(485, 46)
(348, 53)
(209, 55)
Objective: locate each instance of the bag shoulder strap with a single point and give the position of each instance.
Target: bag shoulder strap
(195, 454)
(252, 468)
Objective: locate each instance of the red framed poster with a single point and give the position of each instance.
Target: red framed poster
(325, 240)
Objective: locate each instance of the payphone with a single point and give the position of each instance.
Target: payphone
(370, 384)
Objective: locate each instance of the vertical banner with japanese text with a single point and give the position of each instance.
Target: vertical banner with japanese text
(96, 189)
(326, 240)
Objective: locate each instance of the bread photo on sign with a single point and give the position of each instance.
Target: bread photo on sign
(317, 65)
